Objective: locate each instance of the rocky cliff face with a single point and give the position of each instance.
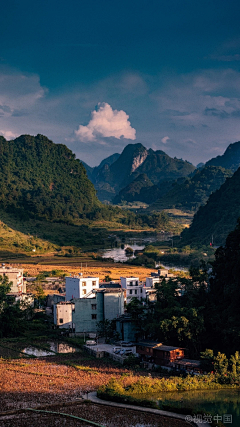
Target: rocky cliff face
(133, 161)
(138, 160)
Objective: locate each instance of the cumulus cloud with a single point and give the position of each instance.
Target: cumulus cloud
(8, 134)
(165, 139)
(106, 122)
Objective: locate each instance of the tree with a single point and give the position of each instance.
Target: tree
(234, 363)
(220, 363)
(40, 295)
(106, 328)
(11, 315)
(207, 358)
(5, 287)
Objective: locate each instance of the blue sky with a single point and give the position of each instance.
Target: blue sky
(97, 75)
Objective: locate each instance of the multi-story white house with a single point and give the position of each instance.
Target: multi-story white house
(134, 288)
(15, 275)
(157, 277)
(80, 287)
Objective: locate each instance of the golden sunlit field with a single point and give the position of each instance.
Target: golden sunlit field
(99, 269)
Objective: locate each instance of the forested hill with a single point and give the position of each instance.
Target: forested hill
(218, 217)
(43, 179)
(189, 193)
(136, 160)
(230, 159)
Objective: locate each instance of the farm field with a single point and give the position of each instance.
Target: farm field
(57, 380)
(89, 268)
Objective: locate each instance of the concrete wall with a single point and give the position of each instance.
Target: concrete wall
(113, 305)
(126, 329)
(89, 311)
(85, 311)
(78, 287)
(62, 314)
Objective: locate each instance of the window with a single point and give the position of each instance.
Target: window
(94, 306)
(84, 283)
(135, 291)
(60, 320)
(141, 290)
(130, 291)
(84, 291)
(94, 283)
(131, 283)
(136, 282)
(94, 316)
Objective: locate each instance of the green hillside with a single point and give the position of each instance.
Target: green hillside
(218, 217)
(190, 193)
(43, 179)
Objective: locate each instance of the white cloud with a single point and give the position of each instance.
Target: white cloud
(106, 122)
(8, 134)
(19, 91)
(165, 139)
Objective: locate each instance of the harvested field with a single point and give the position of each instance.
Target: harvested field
(56, 380)
(103, 415)
(99, 269)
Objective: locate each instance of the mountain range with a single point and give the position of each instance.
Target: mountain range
(118, 171)
(42, 180)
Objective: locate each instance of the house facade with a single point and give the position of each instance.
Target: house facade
(15, 275)
(62, 314)
(159, 354)
(80, 287)
(134, 288)
(105, 304)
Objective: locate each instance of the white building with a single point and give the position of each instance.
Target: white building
(15, 275)
(157, 277)
(80, 287)
(62, 314)
(134, 288)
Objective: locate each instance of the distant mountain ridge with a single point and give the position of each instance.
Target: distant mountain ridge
(230, 159)
(218, 217)
(185, 192)
(136, 160)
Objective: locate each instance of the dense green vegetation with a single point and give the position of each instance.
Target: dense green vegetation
(200, 311)
(190, 193)
(218, 217)
(225, 293)
(145, 392)
(12, 317)
(42, 179)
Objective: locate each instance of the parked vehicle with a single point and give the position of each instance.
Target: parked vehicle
(116, 349)
(126, 351)
(91, 342)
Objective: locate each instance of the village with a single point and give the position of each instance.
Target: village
(82, 305)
